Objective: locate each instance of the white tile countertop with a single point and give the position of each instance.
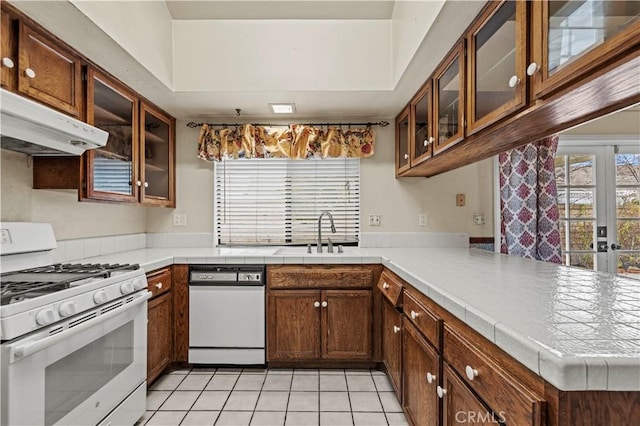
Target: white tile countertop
(578, 329)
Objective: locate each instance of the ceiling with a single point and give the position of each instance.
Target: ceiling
(337, 60)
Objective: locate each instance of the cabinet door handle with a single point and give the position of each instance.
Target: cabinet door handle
(30, 73)
(431, 378)
(316, 304)
(396, 329)
(138, 183)
(441, 392)
(406, 156)
(7, 62)
(159, 286)
(146, 184)
(431, 140)
(514, 81)
(414, 315)
(385, 285)
(324, 304)
(426, 142)
(471, 372)
(532, 69)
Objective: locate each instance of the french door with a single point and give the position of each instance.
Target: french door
(599, 203)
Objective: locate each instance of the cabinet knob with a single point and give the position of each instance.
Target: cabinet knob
(159, 286)
(426, 142)
(431, 140)
(146, 184)
(138, 183)
(385, 285)
(414, 315)
(514, 81)
(324, 304)
(8, 62)
(441, 392)
(406, 156)
(431, 378)
(316, 304)
(30, 73)
(396, 329)
(471, 373)
(532, 68)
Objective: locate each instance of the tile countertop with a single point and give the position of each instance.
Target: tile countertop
(578, 329)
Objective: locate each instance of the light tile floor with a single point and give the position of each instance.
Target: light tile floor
(272, 397)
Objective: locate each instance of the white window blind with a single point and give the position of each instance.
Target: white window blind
(277, 201)
(112, 175)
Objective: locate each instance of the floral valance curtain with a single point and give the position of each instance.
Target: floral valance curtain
(295, 141)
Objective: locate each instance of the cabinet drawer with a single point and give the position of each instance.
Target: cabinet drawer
(390, 287)
(426, 321)
(159, 282)
(319, 276)
(497, 388)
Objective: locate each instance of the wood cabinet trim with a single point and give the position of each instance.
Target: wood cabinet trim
(457, 52)
(319, 276)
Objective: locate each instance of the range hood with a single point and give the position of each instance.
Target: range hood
(31, 128)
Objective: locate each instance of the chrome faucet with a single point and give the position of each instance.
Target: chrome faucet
(333, 228)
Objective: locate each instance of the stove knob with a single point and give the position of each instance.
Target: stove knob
(139, 284)
(100, 297)
(126, 287)
(67, 308)
(46, 316)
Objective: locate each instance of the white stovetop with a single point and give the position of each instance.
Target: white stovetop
(579, 330)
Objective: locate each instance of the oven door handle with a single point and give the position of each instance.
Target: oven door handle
(20, 352)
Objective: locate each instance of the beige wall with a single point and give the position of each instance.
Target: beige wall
(70, 218)
(398, 201)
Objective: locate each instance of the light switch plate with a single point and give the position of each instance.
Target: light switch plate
(423, 219)
(179, 219)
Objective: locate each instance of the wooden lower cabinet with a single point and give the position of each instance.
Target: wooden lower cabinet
(420, 398)
(159, 348)
(392, 345)
(461, 405)
(319, 325)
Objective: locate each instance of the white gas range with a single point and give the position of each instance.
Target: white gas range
(73, 336)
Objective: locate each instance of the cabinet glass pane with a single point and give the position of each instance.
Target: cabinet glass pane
(495, 61)
(448, 101)
(422, 126)
(577, 26)
(156, 156)
(403, 148)
(113, 164)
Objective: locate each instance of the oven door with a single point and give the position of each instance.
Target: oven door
(77, 375)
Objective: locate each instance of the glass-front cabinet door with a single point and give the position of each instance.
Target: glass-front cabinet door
(157, 151)
(111, 171)
(403, 142)
(496, 64)
(421, 110)
(571, 37)
(448, 101)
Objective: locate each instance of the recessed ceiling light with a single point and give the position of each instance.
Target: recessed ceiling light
(283, 108)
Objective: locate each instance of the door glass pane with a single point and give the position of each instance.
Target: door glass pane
(561, 176)
(628, 233)
(628, 203)
(629, 264)
(113, 164)
(422, 125)
(403, 149)
(627, 169)
(581, 203)
(76, 377)
(448, 102)
(495, 54)
(577, 26)
(581, 169)
(583, 260)
(156, 156)
(581, 234)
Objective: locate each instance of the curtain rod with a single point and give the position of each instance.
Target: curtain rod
(193, 124)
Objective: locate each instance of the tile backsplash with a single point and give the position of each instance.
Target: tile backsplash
(414, 239)
(69, 250)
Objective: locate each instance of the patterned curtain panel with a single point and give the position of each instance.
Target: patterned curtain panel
(296, 142)
(528, 206)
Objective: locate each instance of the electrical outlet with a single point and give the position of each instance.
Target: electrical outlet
(422, 219)
(179, 219)
(478, 219)
(5, 236)
(374, 220)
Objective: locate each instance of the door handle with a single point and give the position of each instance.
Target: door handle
(615, 247)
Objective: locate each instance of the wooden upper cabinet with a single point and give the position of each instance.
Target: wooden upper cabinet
(111, 172)
(496, 62)
(449, 99)
(8, 52)
(157, 152)
(48, 72)
(403, 141)
(422, 130)
(571, 38)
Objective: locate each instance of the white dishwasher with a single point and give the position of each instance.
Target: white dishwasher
(227, 314)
